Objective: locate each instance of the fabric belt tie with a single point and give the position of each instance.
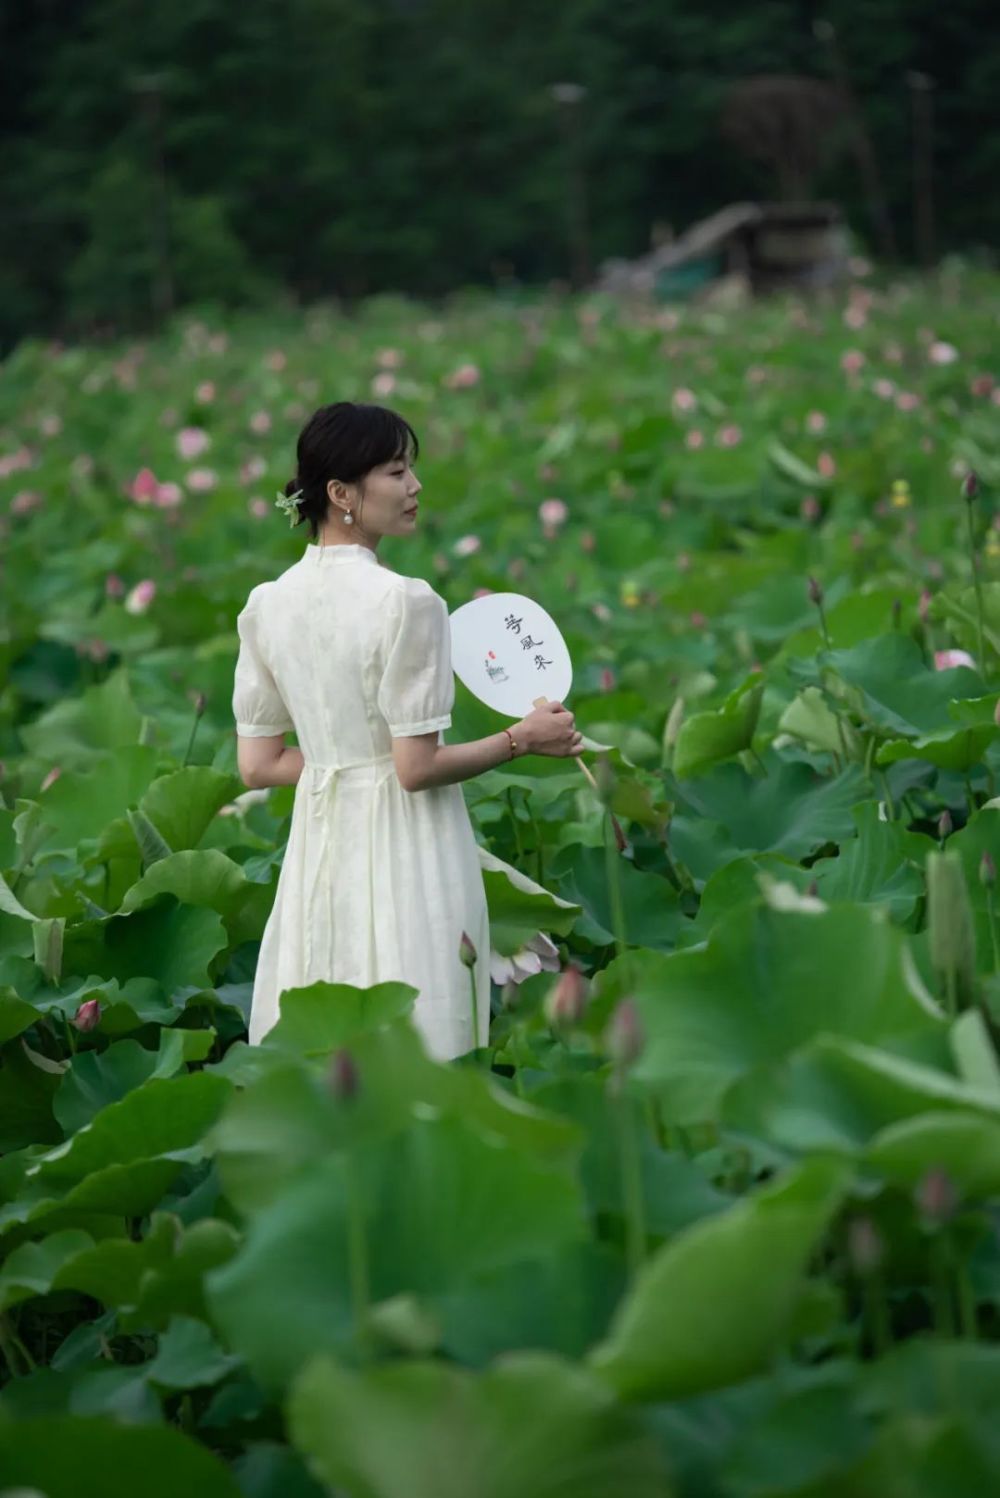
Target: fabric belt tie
(322, 785)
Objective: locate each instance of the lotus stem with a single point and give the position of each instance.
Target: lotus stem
(977, 585)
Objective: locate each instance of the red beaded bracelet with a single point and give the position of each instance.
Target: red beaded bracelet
(513, 746)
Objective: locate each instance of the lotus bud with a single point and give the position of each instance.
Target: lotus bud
(88, 1016)
(924, 606)
(936, 1197)
(865, 1246)
(950, 924)
(815, 592)
(200, 702)
(987, 870)
(970, 486)
(996, 713)
(625, 1037)
(342, 1076)
(812, 888)
(945, 826)
(567, 998)
(466, 950)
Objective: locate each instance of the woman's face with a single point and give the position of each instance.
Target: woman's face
(390, 498)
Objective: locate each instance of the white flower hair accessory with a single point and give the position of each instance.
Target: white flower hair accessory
(290, 504)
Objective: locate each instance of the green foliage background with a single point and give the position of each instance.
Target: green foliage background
(345, 147)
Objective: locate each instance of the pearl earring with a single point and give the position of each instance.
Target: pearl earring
(348, 518)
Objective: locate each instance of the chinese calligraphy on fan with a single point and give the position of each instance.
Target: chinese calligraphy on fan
(527, 642)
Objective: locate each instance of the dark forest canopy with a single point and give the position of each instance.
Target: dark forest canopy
(343, 147)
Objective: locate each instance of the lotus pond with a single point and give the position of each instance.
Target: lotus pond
(717, 1212)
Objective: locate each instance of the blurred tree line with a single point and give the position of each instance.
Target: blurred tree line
(158, 155)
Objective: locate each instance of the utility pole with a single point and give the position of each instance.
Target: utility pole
(149, 89)
(922, 114)
(568, 97)
(865, 151)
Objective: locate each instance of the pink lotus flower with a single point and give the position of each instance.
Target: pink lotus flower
(463, 378)
(389, 358)
(141, 596)
(810, 508)
(729, 436)
(553, 511)
(260, 423)
(51, 777)
(88, 1016)
(826, 465)
(13, 462)
(907, 400)
(205, 392)
(114, 587)
(815, 422)
(384, 383)
(855, 317)
(884, 389)
(200, 480)
(26, 501)
(694, 439)
(947, 660)
(981, 385)
(942, 353)
(482, 592)
(144, 486)
(169, 495)
(698, 619)
(466, 545)
(601, 611)
(852, 360)
(607, 679)
(253, 469)
(539, 954)
(684, 400)
(192, 442)
(258, 507)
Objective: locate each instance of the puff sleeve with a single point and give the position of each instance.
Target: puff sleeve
(417, 690)
(257, 704)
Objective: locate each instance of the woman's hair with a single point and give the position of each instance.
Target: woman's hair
(344, 441)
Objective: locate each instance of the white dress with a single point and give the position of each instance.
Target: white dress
(377, 883)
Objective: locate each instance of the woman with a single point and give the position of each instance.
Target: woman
(381, 874)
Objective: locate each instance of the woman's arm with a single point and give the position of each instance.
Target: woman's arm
(267, 760)
(421, 762)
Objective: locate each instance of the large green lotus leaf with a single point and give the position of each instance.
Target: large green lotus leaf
(439, 1204)
(77, 729)
(94, 1079)
(206, 877)
(97, 1456)
(318, 1019)
(838, 1094)
(16, 1015)
(737, 883)
(705, 738)
(676, 1191)
(810, 1434)
(516, 914)
(766, 982)
(100, 1389)
(181, 805)
(26, 1095)
(715, 1304)
(772, 611)
(652, 911)
(966, 1145)
(561, 1301)
(177, 1285)
(810, 718)
(173, 943)
(947, 748)
(123, 1161)
(791, 810)
(881, 866)
(189, 1357)
(287, 1116)
(899, 692)
(81, 802)
(532, 1426)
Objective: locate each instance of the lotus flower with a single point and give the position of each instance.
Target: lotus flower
(144, 486)
(947, 660)
(192, 442)
(539, 954)
(141, 596)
